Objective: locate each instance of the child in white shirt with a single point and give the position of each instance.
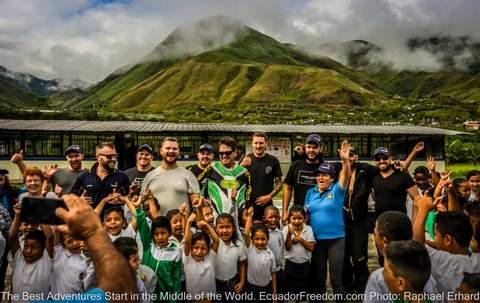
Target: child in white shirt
(299, 244)
(70, 267)
(261, 272)
(199, 259)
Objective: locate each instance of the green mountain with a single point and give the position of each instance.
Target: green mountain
(252, 68)
(220, 70)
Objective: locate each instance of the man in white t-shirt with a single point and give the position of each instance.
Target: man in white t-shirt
(170, 184)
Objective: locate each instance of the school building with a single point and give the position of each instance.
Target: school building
(44, 141)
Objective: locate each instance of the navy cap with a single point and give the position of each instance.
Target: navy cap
(421, 170)
(314, 138)
(206, 147)
(381, 151)
(146, 147)
(3, 172)
(325, 168)
(73, 149)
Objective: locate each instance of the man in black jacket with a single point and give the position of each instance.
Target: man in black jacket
(355, 269)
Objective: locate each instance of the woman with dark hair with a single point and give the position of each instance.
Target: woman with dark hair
(324, 208)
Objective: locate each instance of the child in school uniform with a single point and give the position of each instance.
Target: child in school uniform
(407, 269)
(391, 226)
(261, 269)
(70, 267)
(127, 247)
(231, 257)
(449, 252)
(159, 253)
(299, 244)
(199, 259)
(276, 242)
(114, 220)
(33, 263)
(176, 218)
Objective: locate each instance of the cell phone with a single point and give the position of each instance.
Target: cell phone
(41, 210)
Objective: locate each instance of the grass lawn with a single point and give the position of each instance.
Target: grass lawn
(459, 170)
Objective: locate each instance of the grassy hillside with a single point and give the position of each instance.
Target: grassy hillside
(253, 68)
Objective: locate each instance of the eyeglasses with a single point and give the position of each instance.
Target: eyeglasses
(228, 153)
(109, 157)
(381, 158)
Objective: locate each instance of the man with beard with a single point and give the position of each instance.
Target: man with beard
(102, 179)
(265, 172)
(170, 184)
(390, 185)
(64, 178)
(205, 157)
(300, 177)
(224, 178)
(137, 174)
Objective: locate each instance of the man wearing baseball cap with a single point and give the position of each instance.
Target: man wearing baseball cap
(143, 166)
(205, 155)
(62, 179)
(391, 186)
(300, 177)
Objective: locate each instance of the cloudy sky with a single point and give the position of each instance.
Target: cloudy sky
(89, 39)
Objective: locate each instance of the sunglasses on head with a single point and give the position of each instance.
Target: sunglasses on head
(228, 153)
(380, 158)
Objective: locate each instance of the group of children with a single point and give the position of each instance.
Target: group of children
(199, 255)
(173, 254)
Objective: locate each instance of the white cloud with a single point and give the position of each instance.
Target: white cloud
(71, 39)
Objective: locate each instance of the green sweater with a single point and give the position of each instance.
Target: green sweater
(165, 262)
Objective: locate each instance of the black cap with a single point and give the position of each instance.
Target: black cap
(145, 147)
(73, 149)
(421, 170)
(325, 168)
(206, 147)
(352, 150)
(381, 151)
(314, 138)
(3, 172)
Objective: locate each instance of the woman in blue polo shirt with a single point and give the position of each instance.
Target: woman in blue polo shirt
(324, 206)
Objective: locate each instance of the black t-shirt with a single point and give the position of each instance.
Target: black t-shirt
(136, 177)
(263, 172)
(391, 192)
(301, 177)
(195, 169)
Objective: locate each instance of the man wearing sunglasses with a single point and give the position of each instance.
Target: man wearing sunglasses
(391, 186)
(224, 178)
(103, 178)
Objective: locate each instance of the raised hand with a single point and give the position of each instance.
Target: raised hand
(344, 151)
(247, 161)
(431, 164)
(58, 190)
(419, 147)
(201, 225)
(424, 202)
(48, 172)
(183, 209)
(17, 157)
(192, 218)
(250, 212)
